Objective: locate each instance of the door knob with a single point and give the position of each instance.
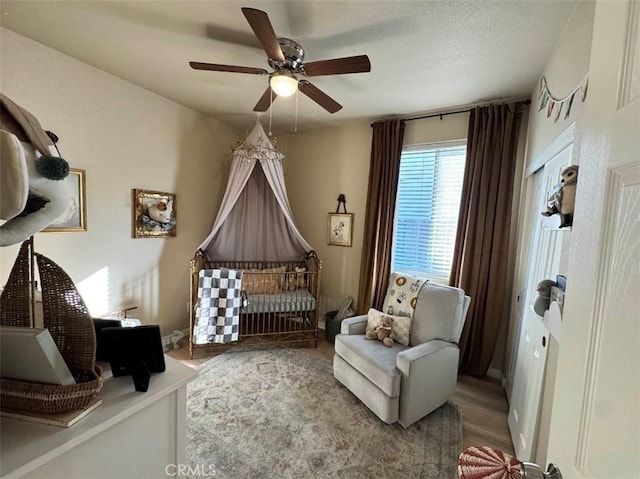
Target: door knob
(533, 471)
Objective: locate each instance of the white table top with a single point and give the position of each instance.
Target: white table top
(24, 446)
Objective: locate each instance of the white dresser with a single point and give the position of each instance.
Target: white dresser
(131, 435)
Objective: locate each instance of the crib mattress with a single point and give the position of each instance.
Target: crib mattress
(291, 301)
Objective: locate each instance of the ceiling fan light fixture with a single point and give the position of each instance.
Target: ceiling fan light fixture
(286, 58)
(283, 84)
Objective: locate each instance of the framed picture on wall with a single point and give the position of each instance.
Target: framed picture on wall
(340, 229)
(154, 214)
(75, 218)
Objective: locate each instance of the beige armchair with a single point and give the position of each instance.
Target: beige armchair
(405, 383)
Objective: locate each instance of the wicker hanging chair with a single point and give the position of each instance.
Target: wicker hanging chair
(71, 327)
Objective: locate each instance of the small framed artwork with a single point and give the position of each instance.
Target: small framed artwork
(154, 214)
(340, 229)
(75, 218)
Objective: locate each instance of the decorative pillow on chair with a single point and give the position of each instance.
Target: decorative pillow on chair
(401, 327)
(402, 294)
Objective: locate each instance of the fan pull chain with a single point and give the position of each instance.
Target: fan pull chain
(270, 110)
(295, 127)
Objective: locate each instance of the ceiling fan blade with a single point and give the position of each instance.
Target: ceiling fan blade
(317, 95)
(261, 26)
(265, 100)
(227, 68)
(338, 66)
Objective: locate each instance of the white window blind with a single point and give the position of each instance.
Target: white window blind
(427, 205)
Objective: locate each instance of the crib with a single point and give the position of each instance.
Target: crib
(280, 303)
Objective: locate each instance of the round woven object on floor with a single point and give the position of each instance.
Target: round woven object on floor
(487, 463)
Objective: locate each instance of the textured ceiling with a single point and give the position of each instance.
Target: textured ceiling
(425, 55)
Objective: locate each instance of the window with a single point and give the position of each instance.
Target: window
(427, 206)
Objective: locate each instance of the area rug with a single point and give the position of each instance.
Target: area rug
(280, 413)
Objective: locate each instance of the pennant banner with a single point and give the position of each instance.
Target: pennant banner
(558, 105)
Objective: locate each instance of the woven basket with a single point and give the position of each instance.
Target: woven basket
(16, 295)
(50, 398)
(71, 327)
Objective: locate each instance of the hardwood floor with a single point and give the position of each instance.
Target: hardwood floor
(482, 402)
(484, 408)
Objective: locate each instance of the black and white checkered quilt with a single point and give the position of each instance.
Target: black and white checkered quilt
(218, 309)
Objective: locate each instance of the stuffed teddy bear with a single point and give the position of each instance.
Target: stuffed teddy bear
(290, 282)
(295, 279)
(300, 275)
(382, 331)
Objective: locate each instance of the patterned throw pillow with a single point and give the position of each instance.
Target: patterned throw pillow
(401, 327)
(263, 281)
(402, 295)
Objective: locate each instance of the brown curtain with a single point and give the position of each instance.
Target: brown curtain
(375, 267)
(482, 243)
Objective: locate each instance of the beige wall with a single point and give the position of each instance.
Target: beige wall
(435, 130)
(124, 137)
(319, 166)
(322, 164)
(566, 67)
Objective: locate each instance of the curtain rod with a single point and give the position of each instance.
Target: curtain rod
(435, 115)
(466, 110)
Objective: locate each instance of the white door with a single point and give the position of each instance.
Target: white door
(595, 426)
(543, 263)
(527, 385)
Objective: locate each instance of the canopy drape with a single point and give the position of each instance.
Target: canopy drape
(255, 222)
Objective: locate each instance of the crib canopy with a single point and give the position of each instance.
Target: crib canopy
(255, 222)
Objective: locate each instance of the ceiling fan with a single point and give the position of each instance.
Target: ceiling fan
(286, 58)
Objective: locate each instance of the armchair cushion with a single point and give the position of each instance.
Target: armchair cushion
(373, 360)
(438, 315)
